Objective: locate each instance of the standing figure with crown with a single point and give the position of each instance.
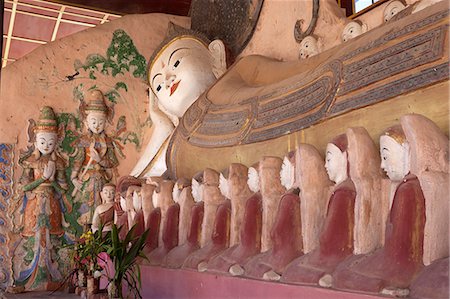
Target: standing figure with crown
(41, 193)
(94, 157)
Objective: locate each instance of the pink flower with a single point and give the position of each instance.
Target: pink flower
(105, 262)
(103, 259)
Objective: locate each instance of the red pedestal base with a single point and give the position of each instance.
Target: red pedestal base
(165, 283)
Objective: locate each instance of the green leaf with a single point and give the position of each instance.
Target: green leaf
(121, 85)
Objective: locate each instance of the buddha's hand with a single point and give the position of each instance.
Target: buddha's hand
(49, 171)
(95, 156)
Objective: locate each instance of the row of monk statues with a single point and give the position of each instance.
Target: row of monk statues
(44, 203)
(339, 224)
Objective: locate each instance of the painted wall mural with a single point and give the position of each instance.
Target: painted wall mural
(6, 191)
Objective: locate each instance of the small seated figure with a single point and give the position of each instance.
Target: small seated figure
(162, 198)
(234, 187)
(249, 243)
(393, 8)
(190, 218)
(219, 240)
(265, 177)
(315, 189)
(176, 257)
(415, 158)
(286, 233)
(352, 30)
(120, 203)
(336, 238)
(212, 198)
(182, 194)
(104, 213)
(136, 216)
(169, 236)
(308, 47)
(147, 202)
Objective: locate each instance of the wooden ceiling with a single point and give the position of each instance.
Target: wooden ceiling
(123, 7)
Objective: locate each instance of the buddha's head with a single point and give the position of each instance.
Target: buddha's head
(336, 160)
(183, 67)
(108, 193)
(395, 153)
(308, 47)
(96, 112)
(393, 8)
(352, 30)
(46, 131)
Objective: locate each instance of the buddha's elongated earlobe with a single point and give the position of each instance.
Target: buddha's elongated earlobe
(217, 50)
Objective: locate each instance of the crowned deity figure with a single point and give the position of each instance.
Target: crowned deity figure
(94, 157)
(41, 189)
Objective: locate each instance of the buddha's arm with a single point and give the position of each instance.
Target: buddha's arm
(163, 127)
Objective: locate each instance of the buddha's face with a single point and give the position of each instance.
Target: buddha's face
(394, 158)
(352, 30)
(336, 163)
(308, 47)
(392, 9)
(181, 73)
(96, 121)
(107, 194)
(46, 142)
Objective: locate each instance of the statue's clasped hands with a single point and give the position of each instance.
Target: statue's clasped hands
(49, 171)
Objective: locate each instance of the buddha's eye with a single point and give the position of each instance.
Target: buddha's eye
(306, 46)
(176, 63)
(158, 88)
(351, 30)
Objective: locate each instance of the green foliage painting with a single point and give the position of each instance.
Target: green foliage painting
(121, 56)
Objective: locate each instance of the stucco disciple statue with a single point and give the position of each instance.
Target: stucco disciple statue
(104, 213)
(94, 158)
(42, 188)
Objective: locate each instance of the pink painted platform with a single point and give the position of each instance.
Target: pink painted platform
(162, 283)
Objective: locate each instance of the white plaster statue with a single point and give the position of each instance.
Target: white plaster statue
(393, 8)
(180, 71)
(309, 47)
(233, 185)
(352, 30)
(104, 213)
(312, 179)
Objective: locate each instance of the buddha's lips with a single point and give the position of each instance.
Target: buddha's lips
(174, 87)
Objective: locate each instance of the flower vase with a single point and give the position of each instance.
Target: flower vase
(114, 290)
(92, 285)
(81, 278)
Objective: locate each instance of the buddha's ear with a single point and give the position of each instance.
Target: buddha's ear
(217, 50)
(364, 27)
